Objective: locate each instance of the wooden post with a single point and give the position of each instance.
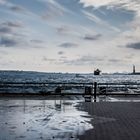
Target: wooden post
(95, 91)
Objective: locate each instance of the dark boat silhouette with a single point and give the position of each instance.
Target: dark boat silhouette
(97, 72)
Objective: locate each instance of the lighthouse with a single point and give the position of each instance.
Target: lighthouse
(134, 71)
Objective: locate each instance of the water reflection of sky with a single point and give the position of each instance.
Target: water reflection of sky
(46, 119)
(118, 99)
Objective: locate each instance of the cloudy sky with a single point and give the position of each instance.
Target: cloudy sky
(69, 35)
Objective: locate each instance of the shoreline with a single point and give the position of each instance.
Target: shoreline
(103, 120)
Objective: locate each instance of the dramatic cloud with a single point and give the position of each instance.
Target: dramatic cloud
(92, 37)
(112, 3)
(135, 46)
(68, 45)
(74, 35)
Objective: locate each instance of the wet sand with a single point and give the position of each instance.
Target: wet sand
(112, 120)
(69, 117)
(22, 119)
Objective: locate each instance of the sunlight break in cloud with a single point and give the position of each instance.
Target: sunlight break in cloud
(133, 5)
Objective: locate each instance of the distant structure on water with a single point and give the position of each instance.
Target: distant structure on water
(134, 71)
(97, 72)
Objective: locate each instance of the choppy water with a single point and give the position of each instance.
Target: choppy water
(65, 77)
(59, 77)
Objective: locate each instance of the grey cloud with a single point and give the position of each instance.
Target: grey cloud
(37, 41)
(92, 37)
(63, 29)
(7, 42)
(13, 24)
(68, 45)
(5, 29)
(115, 60)
(135, 46)
(68, 30)
(60, 52)
(83, 60)
(16, 8)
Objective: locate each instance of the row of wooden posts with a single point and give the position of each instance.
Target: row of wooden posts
(91, 89)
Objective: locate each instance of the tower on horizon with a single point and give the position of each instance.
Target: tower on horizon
(134, 71)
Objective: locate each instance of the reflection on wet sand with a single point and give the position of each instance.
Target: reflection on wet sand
(42, 119)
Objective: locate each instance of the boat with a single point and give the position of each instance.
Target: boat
(97, 72)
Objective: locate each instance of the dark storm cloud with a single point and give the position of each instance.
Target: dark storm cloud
(135, 46)
(92, 37)
(68, 45)
(7, 42)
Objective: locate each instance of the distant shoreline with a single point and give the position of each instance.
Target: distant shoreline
(86, 73)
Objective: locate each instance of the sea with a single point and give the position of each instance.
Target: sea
(38, 77)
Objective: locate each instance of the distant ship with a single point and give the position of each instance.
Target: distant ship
(97, 72)
(134, 71)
